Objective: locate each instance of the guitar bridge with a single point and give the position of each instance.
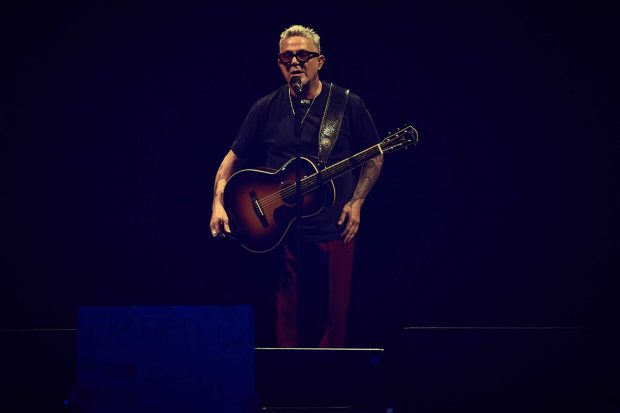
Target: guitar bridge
(258, 210)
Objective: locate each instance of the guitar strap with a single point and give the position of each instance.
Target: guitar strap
(332, 120)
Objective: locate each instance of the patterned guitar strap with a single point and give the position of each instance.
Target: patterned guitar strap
(332, 120)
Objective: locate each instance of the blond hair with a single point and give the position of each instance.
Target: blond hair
(303, 31)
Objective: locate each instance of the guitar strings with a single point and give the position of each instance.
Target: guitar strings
(310, 181)
(270, 201)
(273, 200)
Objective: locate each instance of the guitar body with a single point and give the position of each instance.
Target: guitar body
(261, 205)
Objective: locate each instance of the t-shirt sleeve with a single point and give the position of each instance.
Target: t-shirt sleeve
(364, 129)
(248, 132)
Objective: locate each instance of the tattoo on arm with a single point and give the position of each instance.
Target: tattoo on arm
(226, 169)
(218, 177)
(368, 177)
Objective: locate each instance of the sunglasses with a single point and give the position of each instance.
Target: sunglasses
(302, 56)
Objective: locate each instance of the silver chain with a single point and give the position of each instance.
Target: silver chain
(293, 110)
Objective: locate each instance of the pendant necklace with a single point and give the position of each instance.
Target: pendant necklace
(293, 109)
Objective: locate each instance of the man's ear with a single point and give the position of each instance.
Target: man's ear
(321, 61)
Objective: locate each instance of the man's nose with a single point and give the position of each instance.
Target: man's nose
(296, 59)
(296, 62)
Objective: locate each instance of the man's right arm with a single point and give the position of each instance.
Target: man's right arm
(219, 218)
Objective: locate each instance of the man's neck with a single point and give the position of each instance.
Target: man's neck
(312, 90)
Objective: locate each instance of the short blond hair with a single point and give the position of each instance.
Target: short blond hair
(303, 31)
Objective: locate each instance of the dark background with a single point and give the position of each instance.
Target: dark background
(114, 118)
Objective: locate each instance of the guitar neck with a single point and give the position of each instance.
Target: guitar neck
(317, 179)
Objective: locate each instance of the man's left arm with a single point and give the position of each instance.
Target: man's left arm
(351, 212)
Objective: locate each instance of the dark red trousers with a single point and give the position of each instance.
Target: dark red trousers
(315, 289)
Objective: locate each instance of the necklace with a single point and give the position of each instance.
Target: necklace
(293, 109)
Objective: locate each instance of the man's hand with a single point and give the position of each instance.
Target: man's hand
(219, 221)
(351, 213)
(219, 218)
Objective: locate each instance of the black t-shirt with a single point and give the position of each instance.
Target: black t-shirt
(267, 136)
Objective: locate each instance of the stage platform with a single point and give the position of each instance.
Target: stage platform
(430, 369)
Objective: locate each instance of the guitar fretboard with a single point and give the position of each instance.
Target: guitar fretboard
(314, 181)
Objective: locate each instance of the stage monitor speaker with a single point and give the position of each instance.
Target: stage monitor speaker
(319, 379)
(166, 359)
(502, 369)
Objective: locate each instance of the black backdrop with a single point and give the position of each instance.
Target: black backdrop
(114, 118)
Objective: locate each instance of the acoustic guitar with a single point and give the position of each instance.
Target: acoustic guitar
(262, 204)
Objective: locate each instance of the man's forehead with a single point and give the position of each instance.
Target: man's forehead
(296, 43)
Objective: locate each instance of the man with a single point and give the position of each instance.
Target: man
(320, 251)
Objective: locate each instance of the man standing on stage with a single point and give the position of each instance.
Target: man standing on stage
(321, 248)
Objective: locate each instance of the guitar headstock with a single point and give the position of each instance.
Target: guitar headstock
(400, 139)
